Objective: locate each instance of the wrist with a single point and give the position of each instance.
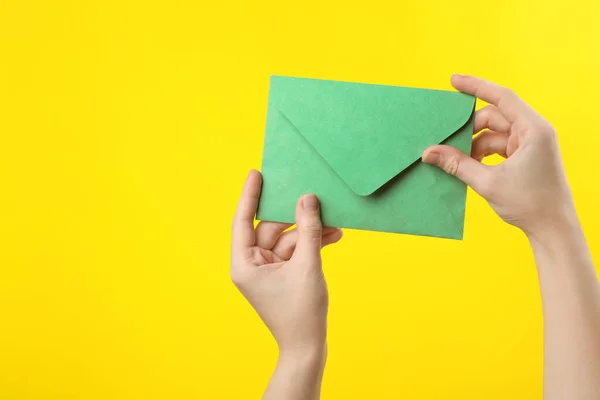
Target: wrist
(304, 356)
(552, 229)
(560, 237)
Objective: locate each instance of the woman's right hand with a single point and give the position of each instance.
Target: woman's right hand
(529, 189)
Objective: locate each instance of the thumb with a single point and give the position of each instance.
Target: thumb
(308, 222)
(458, 164)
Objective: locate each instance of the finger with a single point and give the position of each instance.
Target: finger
(308, 223)
(287, 241)
(489, 117)
(509, 104)
(458, 164)
(291, 237)
(332, 237)
(268, 232)
(285, 246)
(488, 143)
(243, 222)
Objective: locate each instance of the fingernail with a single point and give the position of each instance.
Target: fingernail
(431, 158)
(310, 202)
(458, 75)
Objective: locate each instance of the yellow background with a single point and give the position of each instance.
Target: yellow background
(127, 128)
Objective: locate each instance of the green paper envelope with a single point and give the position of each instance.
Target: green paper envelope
(358, 148)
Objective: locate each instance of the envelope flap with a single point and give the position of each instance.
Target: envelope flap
(369, 133)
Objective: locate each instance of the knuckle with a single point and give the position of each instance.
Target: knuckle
(522, 127)
(485, 115)
(313, 227)
(452, 165)
(487, 187)
(312, 222)
(546, 127)
(487, 111)
(496, 184)
(543, 130)
(487, 146)
(508, 93)
(288, 248)
(237, 277)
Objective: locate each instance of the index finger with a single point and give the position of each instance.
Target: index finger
(509, 104)
(242, 234)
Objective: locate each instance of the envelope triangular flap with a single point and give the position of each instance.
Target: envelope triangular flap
(369, 133)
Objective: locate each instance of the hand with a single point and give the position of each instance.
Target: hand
(280, 272)
(529, 189)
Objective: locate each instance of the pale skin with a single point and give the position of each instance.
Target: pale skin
(280, 273)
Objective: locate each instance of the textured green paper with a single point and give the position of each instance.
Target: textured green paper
(358, 147)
